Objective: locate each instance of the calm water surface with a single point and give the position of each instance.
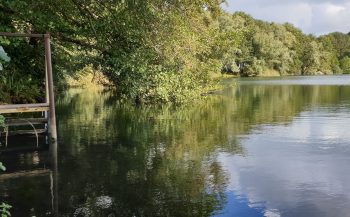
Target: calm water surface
(262, 147)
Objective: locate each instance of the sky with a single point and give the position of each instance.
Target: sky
(295, 168)
(316, 17)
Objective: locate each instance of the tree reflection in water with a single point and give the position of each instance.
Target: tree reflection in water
(118, 159)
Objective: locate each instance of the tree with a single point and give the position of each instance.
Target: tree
(144, 47)
(345, 65)
(310, 57)
(341, 43)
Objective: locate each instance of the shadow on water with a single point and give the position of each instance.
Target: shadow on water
(29, 183)
(116, 159)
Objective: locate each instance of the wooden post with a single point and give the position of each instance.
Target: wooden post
(46, 115)
(52, 115)
(46, 83)
(54, 177)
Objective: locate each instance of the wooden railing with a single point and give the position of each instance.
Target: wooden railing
(49, 106)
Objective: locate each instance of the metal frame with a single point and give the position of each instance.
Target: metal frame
(49, 105)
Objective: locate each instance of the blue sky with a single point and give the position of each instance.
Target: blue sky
(312, 16)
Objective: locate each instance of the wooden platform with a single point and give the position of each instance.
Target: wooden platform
(24, 126)
(27, 132)
(48, 107)
(25, 122)
(23, 149)
(19, 174)
(17, 108)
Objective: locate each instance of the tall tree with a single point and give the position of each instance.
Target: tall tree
(139, 45)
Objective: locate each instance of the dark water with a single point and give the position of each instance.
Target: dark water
(262, 147)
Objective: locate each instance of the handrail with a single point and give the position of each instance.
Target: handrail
(50, 99)
(15, 108)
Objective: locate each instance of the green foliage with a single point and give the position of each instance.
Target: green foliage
(146, 48)
(3, 57)
(272, 49)
(137, 45)
(2, 167)
(4, 207)
(340, 43)
(345, 65)
(16, 87)
(5, 210)
(2, 122)
(19, 89)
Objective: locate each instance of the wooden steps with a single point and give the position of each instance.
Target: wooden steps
(25, 121)
(23, 149)
(27, 132)
(17, 108)
(30, 122)
(48, 107)
(19, 174)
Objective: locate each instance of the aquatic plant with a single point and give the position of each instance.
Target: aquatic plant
(3, 57)
(4, 207)
(2, 167)
(5, 210)
(2, 121)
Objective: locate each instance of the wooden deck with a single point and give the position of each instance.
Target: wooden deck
(19, 174)
(17, 108)
(25, 122)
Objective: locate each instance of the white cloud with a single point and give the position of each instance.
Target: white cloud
(312, 16)
(333, 10)
(288, 171)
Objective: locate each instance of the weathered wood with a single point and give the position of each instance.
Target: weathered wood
(17, 108)
(8, 34)
(38, 172)
(22, 149)
(49, 106)
(26, 132)
(25, 122)
(52, 113)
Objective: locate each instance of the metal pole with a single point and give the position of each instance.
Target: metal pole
(53, 129)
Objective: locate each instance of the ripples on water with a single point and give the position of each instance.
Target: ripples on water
(265, 147)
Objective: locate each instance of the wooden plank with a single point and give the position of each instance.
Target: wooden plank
(25, 121)
(26, 132)
(38, 172)
(17, 108)
(23, 149)
(9, 34)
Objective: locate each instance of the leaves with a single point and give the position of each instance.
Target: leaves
(4, 207)
(138, 45)
(345, 65)
(5, 210)
(3, 57)
(129, 41)
(2, 167)
(282, 49)
(2, 121)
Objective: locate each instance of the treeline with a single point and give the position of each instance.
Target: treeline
(281, 49)
(154, 51)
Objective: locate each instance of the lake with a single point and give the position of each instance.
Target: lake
(260, 147)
